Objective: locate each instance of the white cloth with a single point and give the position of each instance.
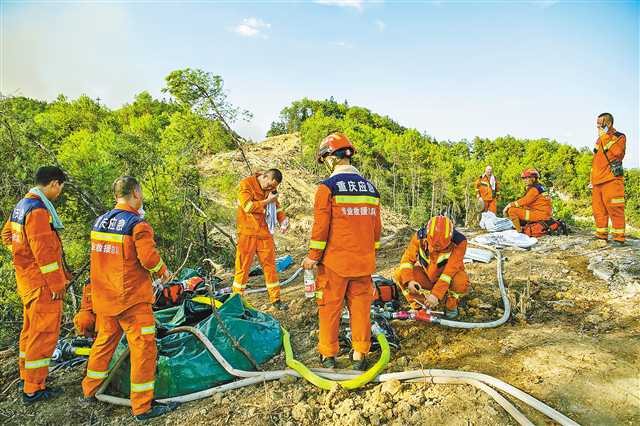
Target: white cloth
(493, 223)
(510, 238)
(492, 181)
(271, 216)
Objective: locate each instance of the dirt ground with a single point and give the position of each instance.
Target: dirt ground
(573, 342)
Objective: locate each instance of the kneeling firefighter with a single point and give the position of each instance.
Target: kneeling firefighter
(432, 267)
(534, 206)
(345, 236)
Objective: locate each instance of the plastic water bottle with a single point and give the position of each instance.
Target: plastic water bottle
(309, 283)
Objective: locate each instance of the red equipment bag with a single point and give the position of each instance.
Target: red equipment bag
(171, 295)
(386, 290)
(545, 227)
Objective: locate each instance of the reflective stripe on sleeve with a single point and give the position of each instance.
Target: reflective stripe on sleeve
(157, 267)
(376, 245)
(273, 285)
(406, 265)
(247, 207)
(526, 214)
(142, 387)
(320, 245)
(617, 201)
(49, 268)
(446, 278)
(148, 330)
(22, 355)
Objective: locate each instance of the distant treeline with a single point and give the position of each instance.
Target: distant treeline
(418, 175)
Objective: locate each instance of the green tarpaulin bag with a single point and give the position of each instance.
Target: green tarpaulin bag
(185, 365)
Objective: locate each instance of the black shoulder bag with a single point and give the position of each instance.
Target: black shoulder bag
(615, 166)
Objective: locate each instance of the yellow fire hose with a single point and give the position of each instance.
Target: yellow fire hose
(327, 384)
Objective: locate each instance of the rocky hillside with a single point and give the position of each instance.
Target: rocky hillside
(573, 339)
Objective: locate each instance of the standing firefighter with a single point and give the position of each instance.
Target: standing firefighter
(607, 181)
(487, 190)
(123, 257)
(31, 233)
(432, 266)
(534, 206)
(345, 236)
(257, 207)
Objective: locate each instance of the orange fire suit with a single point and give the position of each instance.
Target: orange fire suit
(123, 256)
(85, 320)
(37, 259)
(488, 195)
(345, 236)
(254, 237)
(607, 195)
(533, 207)
(439, 272)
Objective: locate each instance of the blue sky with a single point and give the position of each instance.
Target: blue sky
(453, 69)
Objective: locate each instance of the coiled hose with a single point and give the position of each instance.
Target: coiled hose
(248, 378)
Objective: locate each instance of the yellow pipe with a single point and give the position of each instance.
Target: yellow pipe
(351, 384)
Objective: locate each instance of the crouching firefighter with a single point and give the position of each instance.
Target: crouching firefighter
(432, 267)
(345, 236)
(123, 257)
(534, 206)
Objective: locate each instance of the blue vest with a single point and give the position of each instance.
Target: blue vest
(23, 208)
(117, 221)
(350, 184)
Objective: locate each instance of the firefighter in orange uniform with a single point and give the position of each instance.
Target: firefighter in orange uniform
(344, 239)
(432, 266)
(123, 257)
(534, 206)
(85, 320)
(31, 233)
(607, 181)
(487, 190)
(257, 200)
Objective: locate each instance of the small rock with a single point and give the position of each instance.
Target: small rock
(476, 302)
(297, 395)
(391, 387)
(287, 380)
(300, 411)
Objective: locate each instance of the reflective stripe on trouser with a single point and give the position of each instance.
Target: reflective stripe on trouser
(332, 289)
(136, 323)
(522, 214)
(458, 287)
(265, 248)
(38, 338)
(607, 202)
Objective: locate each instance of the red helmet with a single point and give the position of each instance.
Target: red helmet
(332, 143)
(439, 231)
(530, 173)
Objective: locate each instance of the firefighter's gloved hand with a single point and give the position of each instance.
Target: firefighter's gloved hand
(431, 301)
(308, 263)
(166, 276)
(414, 287)
(284, 226)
